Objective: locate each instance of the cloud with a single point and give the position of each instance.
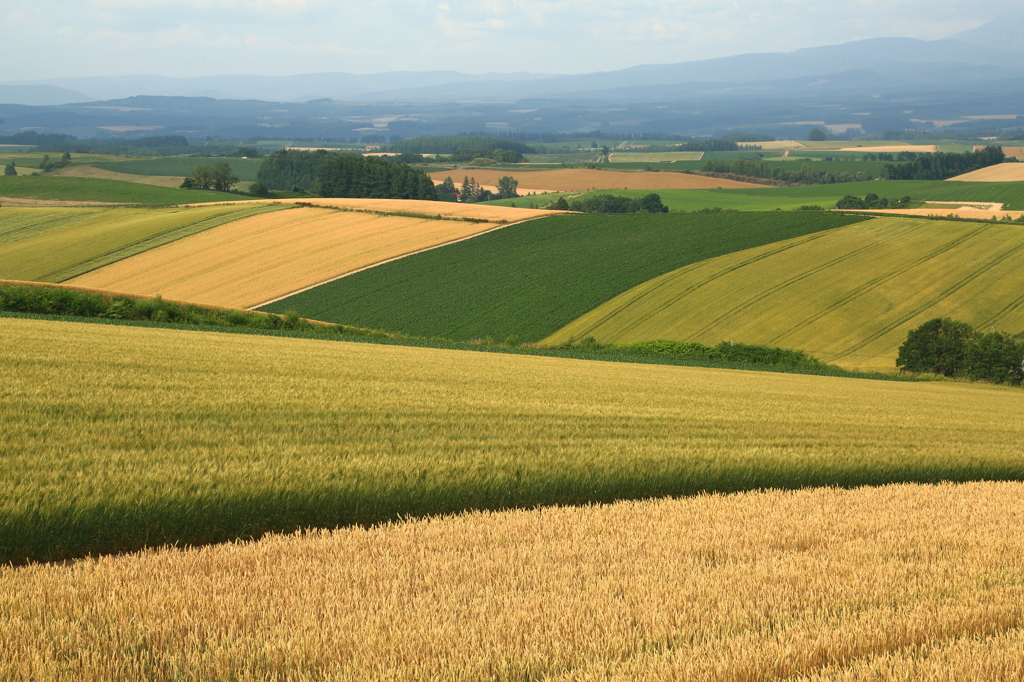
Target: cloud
(196, 37)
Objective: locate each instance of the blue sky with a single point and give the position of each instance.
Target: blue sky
(62, 38)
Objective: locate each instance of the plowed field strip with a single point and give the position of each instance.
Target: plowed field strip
(573, 179)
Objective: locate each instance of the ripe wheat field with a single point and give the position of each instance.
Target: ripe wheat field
(584, 179)
(902, 582)
(249, 262)
(115, 438)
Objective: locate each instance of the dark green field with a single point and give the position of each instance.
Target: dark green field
(245, 169)
(530, 280)
(57, 188)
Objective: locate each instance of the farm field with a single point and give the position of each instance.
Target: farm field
(534, 201)
(121, 437)
(56, 188)
(56, 244)
(251, 261)
(568, 179)
(847, 296)
(83, 171)
(1011, 195)
(485, 212)
(697, 199)
(640, 157)
(1004, 172)
(180, 166)
(529, 280)
(815, 585)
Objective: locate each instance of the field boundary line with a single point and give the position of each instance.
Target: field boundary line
(394, 258)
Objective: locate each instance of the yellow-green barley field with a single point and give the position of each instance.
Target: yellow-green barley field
(115, 438)
(847, 296)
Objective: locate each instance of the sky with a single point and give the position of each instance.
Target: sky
(71, 38)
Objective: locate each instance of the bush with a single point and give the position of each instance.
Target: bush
(258, 189)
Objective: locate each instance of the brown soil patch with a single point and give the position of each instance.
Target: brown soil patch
(585, 179)
(255, 260)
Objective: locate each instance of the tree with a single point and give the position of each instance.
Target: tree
(222, 178)
(560, 205)
(606, 153)
(997, 357)
(258, 189)
(65, 160)
(446, 191)
(939, 346)
(46, 165)
(9, 169)
(507, 187)
(817, 135)
(470, 190)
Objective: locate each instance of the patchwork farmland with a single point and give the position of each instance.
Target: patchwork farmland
(493, 493)
(849, 295)
(252, 261)
(530, 279)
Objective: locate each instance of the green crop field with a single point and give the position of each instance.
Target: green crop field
(1011, 194)
(847, 296)
(528, 280)
(245, 169)
(697, 199)
(57, 188)
(115, 438)
(56, 244)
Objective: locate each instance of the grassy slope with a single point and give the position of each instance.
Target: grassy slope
(528, 280)
(848, 296)
(56, 244)
(57, 188)
(245, 169)
(116, 438)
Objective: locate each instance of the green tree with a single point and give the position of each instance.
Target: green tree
(9, 169)
(258, 189)
(560, 205)
(939, 346)
(223, 179)
(507, 187)
(46, 165)
(470, 190)
(447, 191)
(817, 135)
(605, 153)
(65, 160)
(997, 357)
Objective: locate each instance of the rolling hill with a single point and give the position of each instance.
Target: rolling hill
(848, 296)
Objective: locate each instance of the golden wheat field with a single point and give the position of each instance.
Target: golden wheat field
(1003, 172)
(445, 209)
(902, 582)
(848, 296)
(583, 179)
(252, 261)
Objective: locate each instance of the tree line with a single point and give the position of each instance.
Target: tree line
(609, 203)
(807, 175)
(871, 200)
(332, 174)
(942, 166)
(455, 143)
(956, 349)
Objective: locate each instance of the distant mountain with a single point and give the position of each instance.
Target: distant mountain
(1004, 32)
(888, 58)
(39, 95)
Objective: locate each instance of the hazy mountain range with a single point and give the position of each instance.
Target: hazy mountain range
(992, 52)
